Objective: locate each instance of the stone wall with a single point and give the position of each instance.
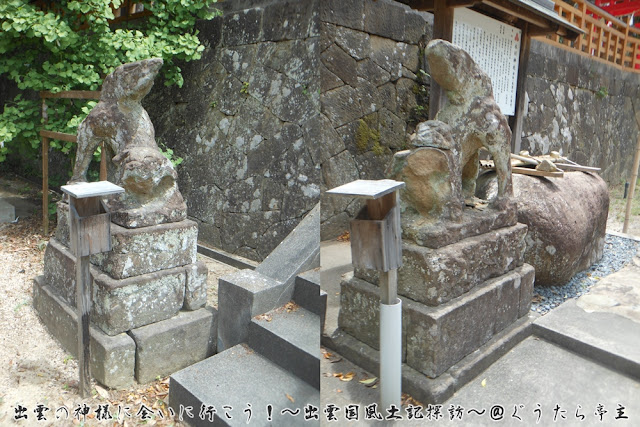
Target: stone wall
(373, 92)
(294, 97)
(245, 124)
(583, 109)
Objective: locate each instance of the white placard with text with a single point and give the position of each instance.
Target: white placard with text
(495, 46)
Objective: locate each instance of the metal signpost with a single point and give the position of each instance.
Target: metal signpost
(376, 243)
(90, 233)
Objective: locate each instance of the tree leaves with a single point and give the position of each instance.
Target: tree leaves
(73, 46)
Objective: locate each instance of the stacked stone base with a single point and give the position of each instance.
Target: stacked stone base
(148, 315)
(457, 299)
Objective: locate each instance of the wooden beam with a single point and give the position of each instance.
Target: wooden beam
(568, 167)
(518, 12)
(72, 94)
(59, 136)
(533, 172)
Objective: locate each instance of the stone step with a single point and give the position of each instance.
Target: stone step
(607, 338)
(234, 381)
(289, 337)
(307, 293)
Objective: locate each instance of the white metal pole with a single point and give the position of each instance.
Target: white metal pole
(391, 354)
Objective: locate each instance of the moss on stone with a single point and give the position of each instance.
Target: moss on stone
(366, 135)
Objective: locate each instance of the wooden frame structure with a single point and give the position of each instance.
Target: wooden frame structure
(533, 17)
(47, 135)
(605, 39)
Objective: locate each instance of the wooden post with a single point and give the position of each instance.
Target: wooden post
(89, 234)
(103, 162)
(632, 188)
(442, 29)
(83, 294)
(376, 244)
(45, 172)
(521, 90)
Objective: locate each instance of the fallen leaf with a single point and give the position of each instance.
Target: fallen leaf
(102, 392)
(406, 399)
(484, 383)
(290, 398)
(344, 237)
(369, 382)
(327, 355)
(339, 391)
(347, 377)
(266, 317)
(291, 306)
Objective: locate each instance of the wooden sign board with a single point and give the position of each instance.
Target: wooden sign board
(495, 47)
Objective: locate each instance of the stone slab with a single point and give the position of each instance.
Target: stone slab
(537, 372)
(170, 345)
(241, 296)
(359, 313)
(474, 222)
(112, 357)
(122, 305)
(239, 377)
(434, 390)
(291, 339)
(59, 270)
(307, 292)
(142, 250)
(7, 212)
(439, 337)
(195, 293)
(607, 338)
(435, 338)
(435, 276)
(298, 252)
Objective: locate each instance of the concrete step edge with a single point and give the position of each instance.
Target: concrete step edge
(288, 349)
(597, 354)
(212, 382)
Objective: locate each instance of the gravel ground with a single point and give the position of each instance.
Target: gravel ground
(618, 251)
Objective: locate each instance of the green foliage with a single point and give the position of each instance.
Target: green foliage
(72, 46)
(245, 88)
(602, 92)
(168, 153)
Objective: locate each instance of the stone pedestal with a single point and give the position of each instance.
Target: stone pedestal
(151, 277)
(456, 297)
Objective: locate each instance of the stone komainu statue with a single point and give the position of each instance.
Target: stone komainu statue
(441, 171)
(134, 161)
